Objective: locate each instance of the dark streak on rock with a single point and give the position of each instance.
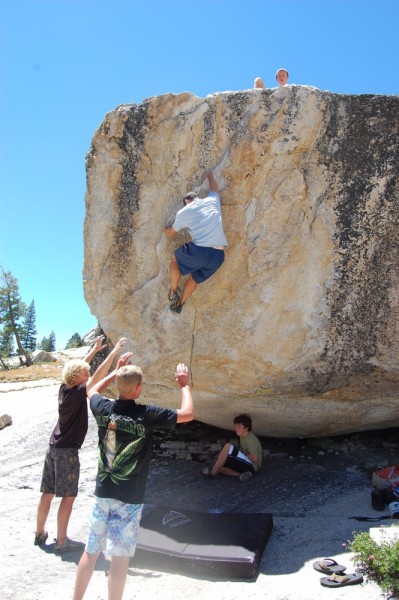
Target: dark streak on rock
(360, 153)
(131, 145)
(208, 138)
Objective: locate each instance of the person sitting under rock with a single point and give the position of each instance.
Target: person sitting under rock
(243, 461)
(204, 255)
(61, 466)
(282, 77)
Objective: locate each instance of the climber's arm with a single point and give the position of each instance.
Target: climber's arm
(213, 186)
(170, 232)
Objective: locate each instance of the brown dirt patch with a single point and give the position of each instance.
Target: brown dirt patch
(32, 373)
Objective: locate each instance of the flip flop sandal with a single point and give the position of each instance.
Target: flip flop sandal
(328, 565)
(336, 580)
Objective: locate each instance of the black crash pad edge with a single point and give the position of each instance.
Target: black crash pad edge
(166, 534)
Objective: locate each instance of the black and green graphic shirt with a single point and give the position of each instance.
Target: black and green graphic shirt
(124, 446)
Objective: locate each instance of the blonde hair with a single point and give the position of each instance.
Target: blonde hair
(73, 369)
(127, 378)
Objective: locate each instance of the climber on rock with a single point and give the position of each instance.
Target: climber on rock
(202, 257)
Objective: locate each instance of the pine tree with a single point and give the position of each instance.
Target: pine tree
(52, 341)
(29, 328)
(75, 342)
(12, 310)
(44, 345)
(48, 344)
(6, 342)
(6, 345)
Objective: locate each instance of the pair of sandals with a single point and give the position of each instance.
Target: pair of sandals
(336, 574)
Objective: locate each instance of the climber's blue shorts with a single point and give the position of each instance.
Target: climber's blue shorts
(201, 262)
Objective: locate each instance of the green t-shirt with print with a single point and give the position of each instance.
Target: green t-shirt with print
(251, 445)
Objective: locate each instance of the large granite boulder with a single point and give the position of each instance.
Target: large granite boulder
(39, 356)
(300, 326)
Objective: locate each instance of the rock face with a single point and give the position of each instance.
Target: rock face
(300, 326)
(42, 356)
(5, 420)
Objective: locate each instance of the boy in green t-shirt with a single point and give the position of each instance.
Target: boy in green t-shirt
(242, 462)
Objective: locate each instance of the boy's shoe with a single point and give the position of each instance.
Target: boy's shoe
(40, 538)
(176, 307)
(173, 297)
(68, 545)
(244, 477)
(206, 473)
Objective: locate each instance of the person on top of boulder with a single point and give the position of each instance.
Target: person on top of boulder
(282, 77)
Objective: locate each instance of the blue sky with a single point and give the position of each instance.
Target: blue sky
(65, 63)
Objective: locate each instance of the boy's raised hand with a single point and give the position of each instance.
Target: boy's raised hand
(182, 375)
(98, 343)
(121, 343)
(123, 360)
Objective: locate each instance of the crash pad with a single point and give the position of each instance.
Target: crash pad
(215, 544)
